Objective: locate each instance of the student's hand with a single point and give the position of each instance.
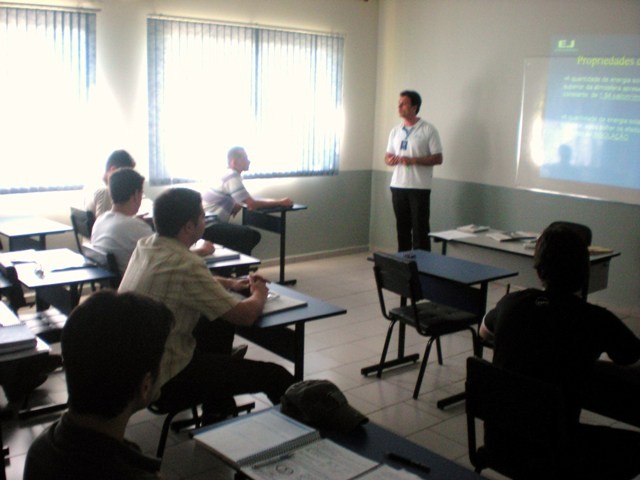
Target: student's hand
(236, 208)
(286, 202)
(203, 248)
(240, 284)
(258, 286)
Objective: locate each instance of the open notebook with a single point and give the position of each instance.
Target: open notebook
(269, 445)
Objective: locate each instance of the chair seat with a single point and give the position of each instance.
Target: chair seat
(435, 319)
(47, 324)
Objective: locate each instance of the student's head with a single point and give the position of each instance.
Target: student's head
(237, 159)
(112, 344)
(124, 183)
(175, 208)
(118, 159)
(414, 98)
(562, 259)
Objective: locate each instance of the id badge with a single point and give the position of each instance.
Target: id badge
(403, 145)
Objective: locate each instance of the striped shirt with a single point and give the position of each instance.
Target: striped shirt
(221, 200)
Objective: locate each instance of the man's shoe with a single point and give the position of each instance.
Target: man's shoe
(238, 352)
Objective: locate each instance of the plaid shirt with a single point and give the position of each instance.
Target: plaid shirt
(167, 271)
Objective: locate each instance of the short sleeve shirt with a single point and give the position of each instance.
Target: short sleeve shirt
(117, 233)
(221, 200)
(167, 271)
(422, 139)
(557, 338)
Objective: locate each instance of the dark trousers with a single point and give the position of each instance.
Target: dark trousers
(213, 377)
(236, 237)
(412, 206)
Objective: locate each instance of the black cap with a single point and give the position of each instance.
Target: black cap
(321, 404)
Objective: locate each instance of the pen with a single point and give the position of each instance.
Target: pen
(407, 461)
(271, 461)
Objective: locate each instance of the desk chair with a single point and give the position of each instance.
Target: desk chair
(46, 324)
(195, 421)
(400, 276)
(526, 410)
(106, 260)
(4, 415)
(82, 222)
(527, 435)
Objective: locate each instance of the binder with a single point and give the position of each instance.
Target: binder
(270, 445)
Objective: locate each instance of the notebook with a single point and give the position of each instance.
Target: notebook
(16, 337)
(279, 303)
(512, 236)
(270, 445)
(276, 303)
(221, 254)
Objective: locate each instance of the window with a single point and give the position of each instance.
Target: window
(47, 72)
(214, 86)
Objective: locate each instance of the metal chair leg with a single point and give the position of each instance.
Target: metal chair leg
(385, 348)
(423, 367)
(439, 350)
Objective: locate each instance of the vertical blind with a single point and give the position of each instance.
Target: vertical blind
(214, 86)
(47, 73)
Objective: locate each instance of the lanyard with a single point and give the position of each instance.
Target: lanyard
(407, 132)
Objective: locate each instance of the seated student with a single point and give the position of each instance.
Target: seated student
(112, 345)
(227, 199)
(118, 230)
(556, 336)
(197, 366)
(98, 199)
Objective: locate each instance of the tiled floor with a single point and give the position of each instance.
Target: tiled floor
(335, 349)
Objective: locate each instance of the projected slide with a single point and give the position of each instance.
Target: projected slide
(580, 124)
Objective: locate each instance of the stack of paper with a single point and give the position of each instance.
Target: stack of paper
(16, 337)
(473, 228)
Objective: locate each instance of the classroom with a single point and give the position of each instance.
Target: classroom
(466, 58)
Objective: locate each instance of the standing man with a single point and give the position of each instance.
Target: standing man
(413, 150)
(112, 345)
(197, 366)
(227, 199)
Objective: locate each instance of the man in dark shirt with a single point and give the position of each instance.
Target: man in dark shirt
(556, 336)
(111, 345)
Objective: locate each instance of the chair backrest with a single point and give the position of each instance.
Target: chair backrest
(14, 293)
(106, 260)
(582, 230)
(82, 222)
(398, 275)
(524, 420)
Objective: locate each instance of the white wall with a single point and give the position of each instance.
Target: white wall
(466, 58)
(121, 84)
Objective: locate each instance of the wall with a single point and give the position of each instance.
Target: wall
(466, 57)
(334, 202)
